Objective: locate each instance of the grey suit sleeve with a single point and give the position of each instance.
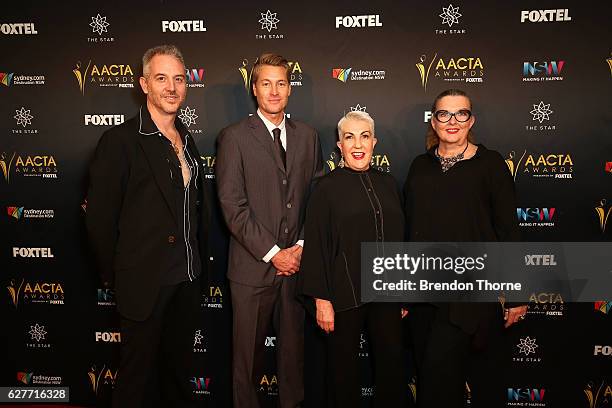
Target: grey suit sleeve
(241, 222)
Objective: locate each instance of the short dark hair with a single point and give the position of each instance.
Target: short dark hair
(274, 60)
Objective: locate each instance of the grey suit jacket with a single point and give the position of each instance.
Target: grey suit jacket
(263, 204)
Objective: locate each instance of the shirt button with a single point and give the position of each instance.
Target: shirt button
(288, 205)
(369, 189)
(286, 230)
(284, 181)
(379, 237)
(171, 239)
(377, 212)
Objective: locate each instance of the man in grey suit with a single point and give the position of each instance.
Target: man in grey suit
(265, 165)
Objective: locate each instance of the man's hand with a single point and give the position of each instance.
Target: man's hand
(286, 262)
(325, 315)
(297, 252)
(514, 314)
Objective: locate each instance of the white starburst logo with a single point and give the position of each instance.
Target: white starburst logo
(268, 21)
(188, 116)
(99, 24)
(23, 117)
(358, 108)
(362, 341)
(541, 111)
(527, 346)
(450, 15)
(197, 339)
(37, 332)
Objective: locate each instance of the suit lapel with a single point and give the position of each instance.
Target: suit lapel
(156, 156)
(261, 134)
(292, 141)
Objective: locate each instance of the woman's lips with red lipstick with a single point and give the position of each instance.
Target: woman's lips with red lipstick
(358, 155)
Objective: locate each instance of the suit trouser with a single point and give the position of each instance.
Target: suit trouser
(157, 353)
(384, 327)
(255, 310)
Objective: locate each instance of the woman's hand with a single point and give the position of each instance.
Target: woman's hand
(325, 315)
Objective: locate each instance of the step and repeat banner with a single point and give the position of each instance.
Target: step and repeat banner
(540, 78)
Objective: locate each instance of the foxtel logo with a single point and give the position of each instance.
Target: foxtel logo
(104, 120)
(32, 253)
(182, 26)
(540, 16)
(18, 28)
(358, 21)
(108, 337)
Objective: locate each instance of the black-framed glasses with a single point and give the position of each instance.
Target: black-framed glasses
(462, 115)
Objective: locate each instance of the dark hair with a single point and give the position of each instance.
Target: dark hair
(270, 59)
(432, 138)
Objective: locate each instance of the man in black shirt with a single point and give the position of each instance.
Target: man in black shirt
(147, 224)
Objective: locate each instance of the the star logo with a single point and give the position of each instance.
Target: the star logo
(268, 21)
(188, 116)
(99, 24)
(23, 117)
(450, 15)
(358, 108)
(197, 338)
(527, 346)
(37, 332)
(362, 341)
(541, 112)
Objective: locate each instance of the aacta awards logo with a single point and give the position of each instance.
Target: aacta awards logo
(603, 211)
(544, 165)
(455, 69)
(214, 298)
(268, 384)
(51, 293)
(598, 395)
(43, 166)
(100, 378)
(208, 164)
(105, 75)
(546, 303)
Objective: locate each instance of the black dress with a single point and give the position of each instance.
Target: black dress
(345, 209)
(474, 201)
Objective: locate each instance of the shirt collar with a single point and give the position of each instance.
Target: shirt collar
(148, 127)
(269, 125)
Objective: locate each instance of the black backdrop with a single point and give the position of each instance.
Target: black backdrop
(541, 93)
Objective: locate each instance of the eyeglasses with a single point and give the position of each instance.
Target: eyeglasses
(461, 116)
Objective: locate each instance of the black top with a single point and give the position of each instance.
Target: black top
(345, 209)
(185, 263)
(474, 201)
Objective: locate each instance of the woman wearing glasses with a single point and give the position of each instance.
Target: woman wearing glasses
(458, 191)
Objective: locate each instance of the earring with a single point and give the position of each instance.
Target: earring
(341, 162)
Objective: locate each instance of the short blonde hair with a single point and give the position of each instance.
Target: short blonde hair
(356, 115)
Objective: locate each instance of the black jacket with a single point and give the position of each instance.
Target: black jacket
(131, 212)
